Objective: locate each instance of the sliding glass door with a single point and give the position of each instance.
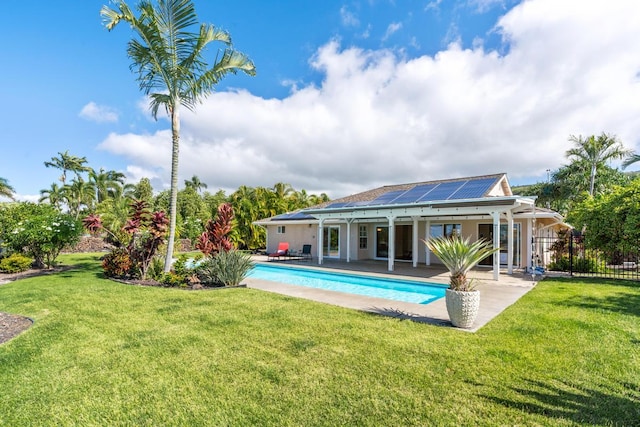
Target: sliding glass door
(331, 241)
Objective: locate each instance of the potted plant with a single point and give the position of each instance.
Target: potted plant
(459, 255)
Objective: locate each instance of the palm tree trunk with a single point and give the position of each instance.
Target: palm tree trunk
(593, 178)
(173, 204)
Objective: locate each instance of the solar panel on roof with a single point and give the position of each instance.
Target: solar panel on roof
(386, 197)
(474, 189)
(443, 191)
(414, 194)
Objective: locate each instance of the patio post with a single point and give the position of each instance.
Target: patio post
(320, 240)
(496, 244)
(391, 246)
(414, 241)
(509, 243)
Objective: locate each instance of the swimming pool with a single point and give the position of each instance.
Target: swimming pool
(393, 289)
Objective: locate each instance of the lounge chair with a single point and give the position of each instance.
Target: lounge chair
(306, 253)
(281, 252)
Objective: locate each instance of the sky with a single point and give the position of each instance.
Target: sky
(349, 95)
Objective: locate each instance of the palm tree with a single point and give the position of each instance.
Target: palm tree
(195, 183)
(67, 162)
(78, 194)
(5, 189)
(171, 68)
(107, 183)
(53, 195)
(633, 158)
(596, 152)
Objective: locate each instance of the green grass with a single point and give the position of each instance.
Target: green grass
(103, 353)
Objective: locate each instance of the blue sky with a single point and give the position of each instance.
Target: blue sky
(349, 95)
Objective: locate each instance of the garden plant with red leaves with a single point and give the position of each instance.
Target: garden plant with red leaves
(215, 238)
(146, 232)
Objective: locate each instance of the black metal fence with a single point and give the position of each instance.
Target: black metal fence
(574, 253)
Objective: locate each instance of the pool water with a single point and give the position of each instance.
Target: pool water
(393, 289)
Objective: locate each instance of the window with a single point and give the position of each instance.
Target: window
(447, 230)
(281, 229)
(363, 236)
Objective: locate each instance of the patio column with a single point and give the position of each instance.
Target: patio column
(427, 236)
(509, 242)
(496, 244)
(530, 241)
(349, 221)
(391, 247)
(320, 240)
(414, 249)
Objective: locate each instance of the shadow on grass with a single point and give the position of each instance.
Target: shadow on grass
(580, 405)
(403, 315)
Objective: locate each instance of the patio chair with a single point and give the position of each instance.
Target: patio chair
(306, 252)
(281, 252)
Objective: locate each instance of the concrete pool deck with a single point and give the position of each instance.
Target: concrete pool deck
(495, 297)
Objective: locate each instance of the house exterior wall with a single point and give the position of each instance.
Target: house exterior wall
(299, 234)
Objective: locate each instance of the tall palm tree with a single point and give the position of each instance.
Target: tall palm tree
(68, 162)
(595, 152)
(171, 69)
(195, 183)
(5, 189)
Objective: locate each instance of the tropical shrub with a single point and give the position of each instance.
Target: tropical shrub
(117, 263)
(37, 230)
(215, 238)
(460, 255)
(145, 231)
(15, 263)
(227, 268)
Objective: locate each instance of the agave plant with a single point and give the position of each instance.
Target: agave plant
(459, 255)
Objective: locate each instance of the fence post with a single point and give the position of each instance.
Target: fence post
(571, 253)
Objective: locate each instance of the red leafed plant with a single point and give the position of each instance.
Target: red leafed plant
(215, 237)
(147, 232)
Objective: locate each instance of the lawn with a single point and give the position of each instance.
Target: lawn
(104, 353)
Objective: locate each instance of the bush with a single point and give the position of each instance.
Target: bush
(225, 268)
(580, 265)
(117, 263)
(38, 230)
(15, 263)
(156, 268)
(173, 279)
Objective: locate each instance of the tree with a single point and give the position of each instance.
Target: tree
(78, 194)
(106, 183)
(595, 152)
(54, 195)
(67, 162)
(171, 68)
(611, 220)
(633, 158)
(195, 183)
(38, 230)
(5, 189)
(144, 190)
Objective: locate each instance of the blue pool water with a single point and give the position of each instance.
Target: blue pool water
(393, 289)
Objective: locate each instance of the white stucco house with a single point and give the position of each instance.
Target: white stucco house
(389, 222)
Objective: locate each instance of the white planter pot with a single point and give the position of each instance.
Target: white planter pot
(462, 307)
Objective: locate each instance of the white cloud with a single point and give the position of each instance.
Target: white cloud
(98, 113)
(349, 19)
(378, 118)
(392, 28)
